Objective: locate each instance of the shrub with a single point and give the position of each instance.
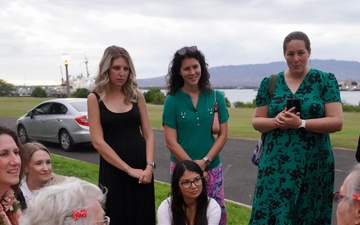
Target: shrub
(81, 93)
(6, 89)
(154, 96)
(227, 102)
(350, 108)
(38, 92)
(245, 104)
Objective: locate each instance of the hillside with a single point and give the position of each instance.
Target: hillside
(242, 76)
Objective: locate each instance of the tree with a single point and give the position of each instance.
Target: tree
(154, 96)
(38, 92)
(6, 89)
(227, 102)
(81, 93)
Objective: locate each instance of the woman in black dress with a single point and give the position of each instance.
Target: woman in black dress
(121, 132)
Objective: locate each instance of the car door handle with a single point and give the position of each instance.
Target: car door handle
(58, 119)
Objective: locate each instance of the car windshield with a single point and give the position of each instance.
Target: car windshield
(79, 106)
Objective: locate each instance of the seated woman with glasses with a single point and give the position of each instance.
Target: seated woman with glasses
(188, 202)
(348, 199)
(72, 202)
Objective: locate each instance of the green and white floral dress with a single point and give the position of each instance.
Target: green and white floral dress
(296, 173)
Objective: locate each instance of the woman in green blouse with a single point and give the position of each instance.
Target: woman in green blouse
(187, 119)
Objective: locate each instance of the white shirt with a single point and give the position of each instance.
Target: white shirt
(28, 194)
(164, 214)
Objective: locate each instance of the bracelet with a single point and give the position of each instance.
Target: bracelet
(151, 164)
(303, 124)
(207, 161)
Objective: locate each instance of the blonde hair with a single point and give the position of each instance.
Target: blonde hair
(102, 80)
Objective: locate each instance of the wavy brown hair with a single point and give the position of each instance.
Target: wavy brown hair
(102, 80)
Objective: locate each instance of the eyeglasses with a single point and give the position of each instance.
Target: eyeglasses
(337, 197)
(182, 51)
(105, 221)
(187, 183)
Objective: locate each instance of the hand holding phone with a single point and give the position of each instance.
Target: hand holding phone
(291, 102)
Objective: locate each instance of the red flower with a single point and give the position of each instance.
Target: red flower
(355, 196)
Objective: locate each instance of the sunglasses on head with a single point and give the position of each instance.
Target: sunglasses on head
(182, 51)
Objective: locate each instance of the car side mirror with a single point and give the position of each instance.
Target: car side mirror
(31, 114)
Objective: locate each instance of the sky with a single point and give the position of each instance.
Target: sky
(35, 33)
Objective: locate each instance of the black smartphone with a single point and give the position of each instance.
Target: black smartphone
(291, 102)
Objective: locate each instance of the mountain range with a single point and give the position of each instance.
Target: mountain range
(250, 75)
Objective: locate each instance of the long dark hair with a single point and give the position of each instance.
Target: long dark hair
(297, 35)
(178, 207)
(173, 79)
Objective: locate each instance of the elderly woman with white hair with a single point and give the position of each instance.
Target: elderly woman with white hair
(72, 202)
(348, 199)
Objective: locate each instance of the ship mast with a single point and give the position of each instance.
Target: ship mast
(62, 76)
(87, 68)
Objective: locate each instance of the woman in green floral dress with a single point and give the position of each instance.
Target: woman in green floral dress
(296, 172)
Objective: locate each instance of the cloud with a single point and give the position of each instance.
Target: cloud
(34, 33)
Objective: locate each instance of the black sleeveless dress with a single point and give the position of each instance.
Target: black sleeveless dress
(127, 201)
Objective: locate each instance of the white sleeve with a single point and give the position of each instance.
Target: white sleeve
(213, 212)
(164, 213)
(28, 195)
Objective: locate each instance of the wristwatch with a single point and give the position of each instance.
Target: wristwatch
(207, 160)
(151, 164)
(303, 124)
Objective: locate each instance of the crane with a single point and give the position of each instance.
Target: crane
(62, 76)
(87, 68)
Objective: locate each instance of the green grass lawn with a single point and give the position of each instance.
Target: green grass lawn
(239, 122)
(18, 106)
(68, 167)
(239, 126)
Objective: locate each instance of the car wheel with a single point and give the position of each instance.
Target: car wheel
(23, 136)
(65, 141)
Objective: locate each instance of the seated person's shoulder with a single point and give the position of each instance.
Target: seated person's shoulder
(213, 203)
(56, 179)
